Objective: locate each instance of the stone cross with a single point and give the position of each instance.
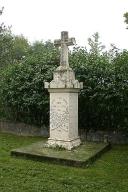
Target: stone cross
(64, 42)
(64, 89)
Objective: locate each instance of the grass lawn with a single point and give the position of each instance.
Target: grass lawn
(108, 174)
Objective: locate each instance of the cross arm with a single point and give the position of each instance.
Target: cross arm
(71, 41)
(57, 42)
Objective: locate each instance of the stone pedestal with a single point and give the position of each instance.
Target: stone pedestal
(64, 118)
(64, 91)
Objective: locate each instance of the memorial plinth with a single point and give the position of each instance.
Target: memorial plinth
(64, 89)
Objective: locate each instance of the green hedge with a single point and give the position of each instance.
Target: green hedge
(22, 87)
(103, 103)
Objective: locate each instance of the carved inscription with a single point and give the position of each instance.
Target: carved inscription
(59, 115)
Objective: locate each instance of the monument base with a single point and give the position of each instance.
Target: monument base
(67, 144)
(82, 156)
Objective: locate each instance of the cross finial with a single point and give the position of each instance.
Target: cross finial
(64, 42)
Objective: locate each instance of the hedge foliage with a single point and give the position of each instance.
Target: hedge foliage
(103, 103)
(22, 87)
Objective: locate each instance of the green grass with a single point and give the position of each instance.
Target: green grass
(108, 174)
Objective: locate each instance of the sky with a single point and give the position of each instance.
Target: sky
(45, 19)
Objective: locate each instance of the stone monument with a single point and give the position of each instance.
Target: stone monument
(64, 89)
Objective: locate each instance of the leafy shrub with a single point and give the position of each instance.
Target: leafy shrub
(22, 86)
(103, 103)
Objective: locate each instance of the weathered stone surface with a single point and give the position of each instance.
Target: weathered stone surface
(64, 78)
(82, 156)
(63, 91)
(64, 118)
(23, 129)
(64, 42)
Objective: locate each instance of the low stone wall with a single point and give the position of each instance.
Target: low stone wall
(105, 136)
(96, 136)
(22, 129)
